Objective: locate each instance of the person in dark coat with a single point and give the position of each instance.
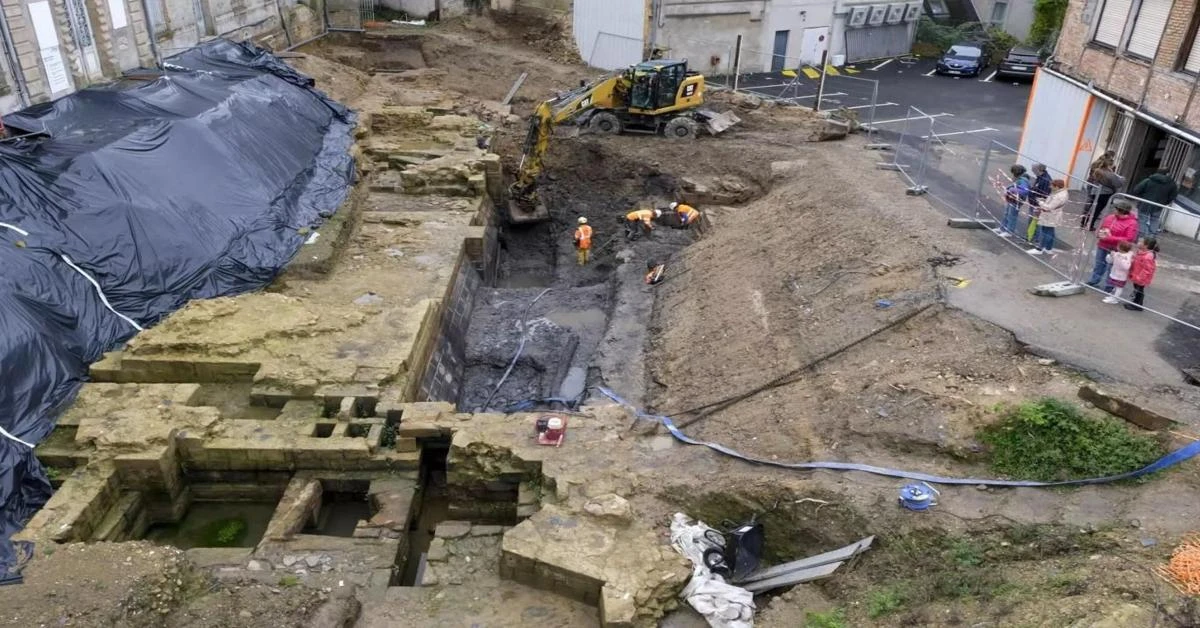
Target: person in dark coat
(1105, 183)
(1157, 188)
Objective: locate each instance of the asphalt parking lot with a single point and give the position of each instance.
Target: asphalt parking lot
(984, 106)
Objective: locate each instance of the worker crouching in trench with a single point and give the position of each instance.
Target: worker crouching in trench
(640, 221)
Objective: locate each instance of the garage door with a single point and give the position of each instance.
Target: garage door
(877, 42)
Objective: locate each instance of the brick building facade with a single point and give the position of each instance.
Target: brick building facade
(1124, 77)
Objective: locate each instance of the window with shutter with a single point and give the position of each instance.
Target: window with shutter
(1192, 63)
(1148, 27)
(1112, 22)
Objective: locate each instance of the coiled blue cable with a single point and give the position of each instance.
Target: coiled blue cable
(918, 496)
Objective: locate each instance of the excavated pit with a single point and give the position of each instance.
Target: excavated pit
(581, 324)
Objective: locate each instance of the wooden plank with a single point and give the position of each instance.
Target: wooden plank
(513, 91)
(837, 555)
(1128, 410)
(795, 577)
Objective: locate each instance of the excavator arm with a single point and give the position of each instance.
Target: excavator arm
(524, 204)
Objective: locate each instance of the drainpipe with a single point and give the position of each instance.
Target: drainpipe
(1187, 135)
(150, 33)
(14, 62)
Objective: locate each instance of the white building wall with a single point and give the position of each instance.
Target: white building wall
(610, 34)
(795, 17)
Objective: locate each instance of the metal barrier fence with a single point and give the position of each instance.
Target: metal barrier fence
(799, 82)
(348, 15)
(965, 172)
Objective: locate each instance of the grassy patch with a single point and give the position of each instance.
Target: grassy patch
(289, 581)
(830, 619)
(1051, 440)
(884, 601)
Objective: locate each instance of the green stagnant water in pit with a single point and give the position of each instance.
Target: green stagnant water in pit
(216, 524)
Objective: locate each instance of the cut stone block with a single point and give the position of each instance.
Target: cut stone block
(1057, 289)
(971, 223)
(452, 529)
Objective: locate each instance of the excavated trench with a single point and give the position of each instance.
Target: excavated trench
(580, 324)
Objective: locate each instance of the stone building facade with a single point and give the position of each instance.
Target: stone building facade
(50, 48)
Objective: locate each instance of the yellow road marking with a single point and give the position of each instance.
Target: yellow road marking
(829, 69)
(789, 73)
(850, 70)
(810, 72)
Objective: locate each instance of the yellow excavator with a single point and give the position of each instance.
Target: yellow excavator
(659, 96)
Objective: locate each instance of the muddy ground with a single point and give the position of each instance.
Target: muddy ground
(814, 266)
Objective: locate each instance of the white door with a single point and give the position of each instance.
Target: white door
(813, 44)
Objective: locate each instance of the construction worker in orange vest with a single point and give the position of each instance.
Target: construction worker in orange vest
(687, 214)
(645, 216)
(583, 241)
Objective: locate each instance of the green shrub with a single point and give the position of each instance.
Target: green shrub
(933, 36)
(1051, 440)
(1047, 21)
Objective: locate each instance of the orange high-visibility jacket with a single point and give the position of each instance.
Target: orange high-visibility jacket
(644, 215)
(583, 237)
(687, 213)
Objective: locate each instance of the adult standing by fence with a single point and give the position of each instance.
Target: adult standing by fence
(1107, 184)
(1118, 227)
(1157, 188)
(1049, 218)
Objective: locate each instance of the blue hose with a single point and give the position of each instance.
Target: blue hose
(1175, 457)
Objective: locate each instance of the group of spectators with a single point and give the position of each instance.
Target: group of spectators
(1126, 240)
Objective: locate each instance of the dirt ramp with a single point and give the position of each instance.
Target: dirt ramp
(804, 270)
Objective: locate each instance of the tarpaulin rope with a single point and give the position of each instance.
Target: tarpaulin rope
(95, 284)
(1175, 457)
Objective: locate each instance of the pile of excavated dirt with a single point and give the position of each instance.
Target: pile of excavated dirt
(140, 584)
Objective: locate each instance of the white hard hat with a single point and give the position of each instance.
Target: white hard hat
(554, 423)
(657, 213)
(582, 220)
(674, 205)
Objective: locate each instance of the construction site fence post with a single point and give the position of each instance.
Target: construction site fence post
(821, 85)
(871, 111)
(983, 171)
(919, 184)
(737, 62)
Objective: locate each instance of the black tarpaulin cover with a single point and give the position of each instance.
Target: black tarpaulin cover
(190, 186)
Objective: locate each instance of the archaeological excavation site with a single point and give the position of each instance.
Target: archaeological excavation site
(318, 367)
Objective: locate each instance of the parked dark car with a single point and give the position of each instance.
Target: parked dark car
(962, 60)
(1020, 63)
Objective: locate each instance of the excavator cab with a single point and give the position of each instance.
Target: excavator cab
(656, 85)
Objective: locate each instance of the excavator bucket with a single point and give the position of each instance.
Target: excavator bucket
(717, 122)
(520, 213)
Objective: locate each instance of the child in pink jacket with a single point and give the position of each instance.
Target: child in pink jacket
(1120, 262)
(1145, 262)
